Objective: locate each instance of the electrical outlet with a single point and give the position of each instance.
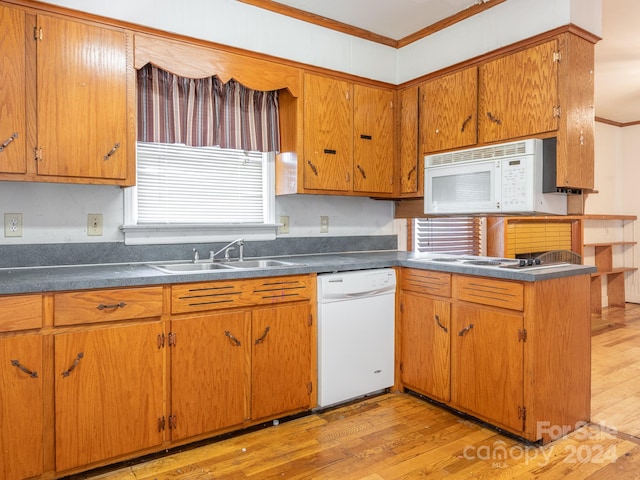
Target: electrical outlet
(284, 225)
(12, 224)
(324, 224)
(94, 224)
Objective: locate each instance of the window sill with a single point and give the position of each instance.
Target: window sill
(155, 234)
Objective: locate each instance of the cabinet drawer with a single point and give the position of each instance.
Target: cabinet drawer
(20, 312)
(497, 293)
(95, 306)
(281, 289)
(196, 297)
(426, 281)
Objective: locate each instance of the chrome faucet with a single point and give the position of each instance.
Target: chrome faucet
(227, 248)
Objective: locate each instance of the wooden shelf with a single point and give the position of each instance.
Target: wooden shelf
(608, 244)
(614, 271)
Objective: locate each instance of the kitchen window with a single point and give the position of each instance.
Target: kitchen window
(205, 161)
(459, 235)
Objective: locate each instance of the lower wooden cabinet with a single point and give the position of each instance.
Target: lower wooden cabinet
(21, 412)
(109, 393)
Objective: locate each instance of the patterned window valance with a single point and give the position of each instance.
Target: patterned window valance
(205, 112)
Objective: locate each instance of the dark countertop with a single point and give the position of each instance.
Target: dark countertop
(113, 275)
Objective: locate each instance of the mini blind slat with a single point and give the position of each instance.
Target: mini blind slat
(455, 235)
(181, 184)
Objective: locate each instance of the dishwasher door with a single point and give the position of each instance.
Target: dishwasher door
(356, 330)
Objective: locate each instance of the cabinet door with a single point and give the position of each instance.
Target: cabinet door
(519, 94)
(109, 393)
(426, 351)
(487, 364)
(448, 111)
(12, 91)
(410, 174)
(82, 100)
(328, 127)
(373, 140)
(209, 372)
(281, 360)
(21, 409)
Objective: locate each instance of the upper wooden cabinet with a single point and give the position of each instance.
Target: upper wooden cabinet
(77, 83)
(410, 161)
(542, 91)
(448, 111)
(13, 131)
(84, 117)
(518, 94)
(348, 141)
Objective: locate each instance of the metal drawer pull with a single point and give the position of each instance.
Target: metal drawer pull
(102, 306)
(6, 143)
(366, 137)
(330, 151)
(264, 335)
(440, 324)
(465, 329)
(233, 339)
(112, 151)
(31, 373)
(67, 372)
(466, 120)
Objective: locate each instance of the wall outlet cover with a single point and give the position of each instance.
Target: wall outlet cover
(324, 224)
(12, 224)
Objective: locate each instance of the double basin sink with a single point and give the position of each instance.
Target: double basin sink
(195, 267)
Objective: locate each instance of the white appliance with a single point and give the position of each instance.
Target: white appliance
(356, 334)
(517, 177)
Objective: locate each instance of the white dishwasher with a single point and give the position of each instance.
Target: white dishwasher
(356, 318)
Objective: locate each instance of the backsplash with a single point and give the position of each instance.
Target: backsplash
(12, 256)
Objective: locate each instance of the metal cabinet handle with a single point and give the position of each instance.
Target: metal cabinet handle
(465, 329)
(102, 306)
(362, 172)
(413, 169)
(313, 168)
(263, 336)
(112, 151)
(31, 373)
(67, 372)
(494, 119)
(466, 120)
(6, 143)
(437, 317)
(233, 339)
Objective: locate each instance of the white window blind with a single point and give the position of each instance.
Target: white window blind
(459, 235)
(178, 184)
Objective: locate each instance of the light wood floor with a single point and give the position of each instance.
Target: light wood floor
(398, 436)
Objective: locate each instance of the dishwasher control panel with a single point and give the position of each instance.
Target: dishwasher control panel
(358, 283)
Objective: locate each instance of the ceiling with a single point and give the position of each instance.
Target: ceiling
(617, 67)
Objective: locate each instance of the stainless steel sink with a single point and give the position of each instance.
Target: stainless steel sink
(190, 267)
(201, 267)
(257, 263)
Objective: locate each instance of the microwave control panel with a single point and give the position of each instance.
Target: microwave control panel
(517, 175)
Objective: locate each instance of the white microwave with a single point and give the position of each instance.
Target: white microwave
(510, 178)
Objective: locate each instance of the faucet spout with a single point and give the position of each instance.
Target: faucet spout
(228, 247)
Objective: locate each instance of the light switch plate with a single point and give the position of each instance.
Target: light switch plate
(94, 224)
(12, 224)
(284, 225)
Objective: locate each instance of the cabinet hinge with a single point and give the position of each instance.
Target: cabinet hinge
(522, 413)
(401, 307)
(160, 340)
(522, 335)
(37, 153)
(173, 422)
(310, 320)
(557, 56)
(401, 367)
(161, 424)
(310, 387)
(37, 33)
(556, 111)
(172, 339)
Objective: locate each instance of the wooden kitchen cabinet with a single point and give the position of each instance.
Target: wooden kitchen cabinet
(13, 131)
(448, 111)
(85, 118)
(109, 393)
(21, 412)
(282, 360)
(518, 94)
(209, 370)
(348, 137)
(410, 174)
